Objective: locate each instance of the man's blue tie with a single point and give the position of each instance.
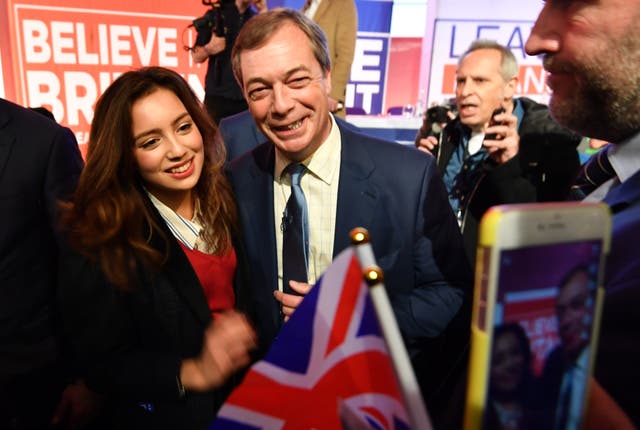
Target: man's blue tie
(295, 232)
(595, 172)
(564, 401)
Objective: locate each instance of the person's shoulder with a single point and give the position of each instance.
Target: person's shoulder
(384, 153)
(530, 104)
(537, 121)
(260, 156)
(29, 123)
(240, 119)
(535, 114)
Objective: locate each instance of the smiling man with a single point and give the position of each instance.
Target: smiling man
(348, 180)
(565, 372)
(523, 157)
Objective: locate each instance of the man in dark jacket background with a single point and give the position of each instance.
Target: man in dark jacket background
(486, 159)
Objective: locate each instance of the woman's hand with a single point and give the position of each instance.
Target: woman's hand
(227, 344)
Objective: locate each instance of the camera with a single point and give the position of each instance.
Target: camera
(213, 22)
(438, 114)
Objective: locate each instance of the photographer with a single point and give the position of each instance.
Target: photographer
(435, 120)
(217, 32)
(499, 149)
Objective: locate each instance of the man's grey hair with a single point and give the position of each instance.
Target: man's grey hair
(509, 65)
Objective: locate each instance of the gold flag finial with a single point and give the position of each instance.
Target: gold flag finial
(359, 236)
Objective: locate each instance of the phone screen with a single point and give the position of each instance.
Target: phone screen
(541, 342)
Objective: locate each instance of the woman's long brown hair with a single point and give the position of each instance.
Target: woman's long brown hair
(108, 219)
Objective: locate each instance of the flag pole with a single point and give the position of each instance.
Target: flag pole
(407, 382)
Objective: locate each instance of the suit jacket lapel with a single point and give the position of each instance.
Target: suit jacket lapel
(6, 140)
(257, 194)
(357, 198)
(625, 194)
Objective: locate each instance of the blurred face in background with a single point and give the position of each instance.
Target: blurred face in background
(591, 50)
(480, 87)
(507, 364)
(573, 310)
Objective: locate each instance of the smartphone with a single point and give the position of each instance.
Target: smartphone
(536, 313)
(492, 122)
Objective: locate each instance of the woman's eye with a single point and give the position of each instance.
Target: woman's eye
(187, 126)
(149, 143)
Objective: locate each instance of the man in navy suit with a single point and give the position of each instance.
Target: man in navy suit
(283, 68)
(591, 51)
(39, 164)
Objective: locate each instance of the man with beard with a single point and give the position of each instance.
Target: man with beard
(592, 51)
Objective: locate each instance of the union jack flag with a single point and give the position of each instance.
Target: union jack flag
(329, 368)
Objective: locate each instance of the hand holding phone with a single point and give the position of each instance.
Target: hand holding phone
(536, 312)
(492, 122)
(502, 140)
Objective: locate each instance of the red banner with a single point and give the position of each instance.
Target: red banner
(63, 54)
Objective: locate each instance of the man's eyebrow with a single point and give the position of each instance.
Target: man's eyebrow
(287, 75)
(301, 68)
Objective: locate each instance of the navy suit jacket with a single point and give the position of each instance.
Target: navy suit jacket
(240, 134)
(39, 164)
(397, 194)
(618, 347)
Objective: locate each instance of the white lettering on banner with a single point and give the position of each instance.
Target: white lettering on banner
(367, 91)
(36, 48)
(366, 73)
(64, 42)
(43, 90)
(58, 31)
(167, 39)
(84, 57)
(78, 92)
(120, 43)
(511, 35)
(103, 40)
(362, 59)
(146, 45)
(534, 80)
(452, 37)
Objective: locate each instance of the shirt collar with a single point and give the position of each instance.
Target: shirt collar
(625, 157)
(186, 231)
(322, 163)
(583, 359)
(518, 111)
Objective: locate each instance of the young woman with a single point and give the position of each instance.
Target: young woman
(513, 402)
(149, 272)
